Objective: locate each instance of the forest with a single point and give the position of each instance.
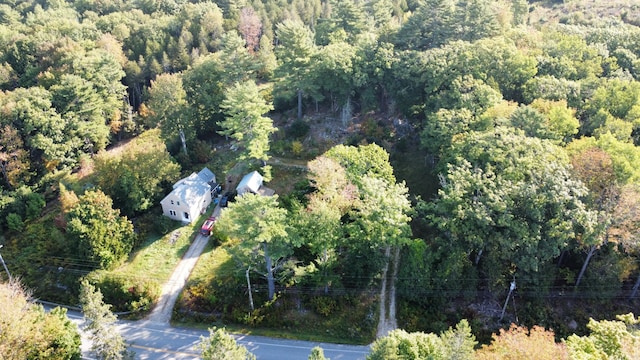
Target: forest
(473, 160)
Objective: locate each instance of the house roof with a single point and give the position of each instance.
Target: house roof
(207, 175)
(192, 188)
(251, 181)
(191, 191)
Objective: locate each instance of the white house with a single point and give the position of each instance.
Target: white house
(190, 196)
(252, 182)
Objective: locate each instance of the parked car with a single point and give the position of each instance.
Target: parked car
(207, 226)
(224, 201)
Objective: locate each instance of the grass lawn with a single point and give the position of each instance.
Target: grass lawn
(158, 256)
(140, 279)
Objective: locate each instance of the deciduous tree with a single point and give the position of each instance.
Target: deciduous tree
(521, 343)
(168, 109)
(30, 333)
(101, 234)
(617, 339)
(134, 177)
(511, 200)
(14, 161)
(259, 224)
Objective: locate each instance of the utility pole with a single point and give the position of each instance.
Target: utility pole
(511, 288)
(5, 266)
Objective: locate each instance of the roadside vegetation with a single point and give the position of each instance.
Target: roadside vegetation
(435, 162)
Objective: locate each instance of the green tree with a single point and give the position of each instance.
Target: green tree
(222, 346)
(168, 108)
(613, 99)
(333, 70)
(567, 56)
(14, 162)
(319, 225)
(204, 84)
(367, 160)
(520, 12)
(245, 121)
(437, 22)
(260, 226)
(46, 135)
(455, 343)
(430, 26)
(103, 236)
(511, 200)
(28, 332)
(294, 53)
(236, 60)
(317, 354)
(107, 343)
(134, 177)
(617, 339)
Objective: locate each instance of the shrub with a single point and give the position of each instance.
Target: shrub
(298, 129)
(324, 305)
(126, 293)
(296, 148)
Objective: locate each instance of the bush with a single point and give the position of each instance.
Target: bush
(298, 129)
(324, 305)
(126, 293)
(296, 148)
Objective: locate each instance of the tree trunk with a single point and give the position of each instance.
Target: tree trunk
(635, 288)
(5, 175)
(299, 104)
(184, 141)
(382, 320)
(592, 250)
(345, 115)
(249, 288)
(478, 256)
(393, 323)
(325, 259)
(271, 283)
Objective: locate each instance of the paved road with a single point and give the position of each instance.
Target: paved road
(157, 341)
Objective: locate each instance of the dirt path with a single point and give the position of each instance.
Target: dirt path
(296, 163)
(172, 288)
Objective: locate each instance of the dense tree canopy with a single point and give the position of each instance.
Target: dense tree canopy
(101, 234)
(528, 114)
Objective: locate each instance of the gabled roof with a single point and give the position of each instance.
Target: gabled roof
(191, 192)
(251, 181)
(192, 188)
(207, 175)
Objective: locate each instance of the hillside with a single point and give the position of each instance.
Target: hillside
(424, 153)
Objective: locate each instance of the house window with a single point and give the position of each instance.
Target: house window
(186, 215)
(172, 213)
(178, 203)
(171, 202)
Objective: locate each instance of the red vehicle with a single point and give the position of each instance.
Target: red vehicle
(207, 226)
